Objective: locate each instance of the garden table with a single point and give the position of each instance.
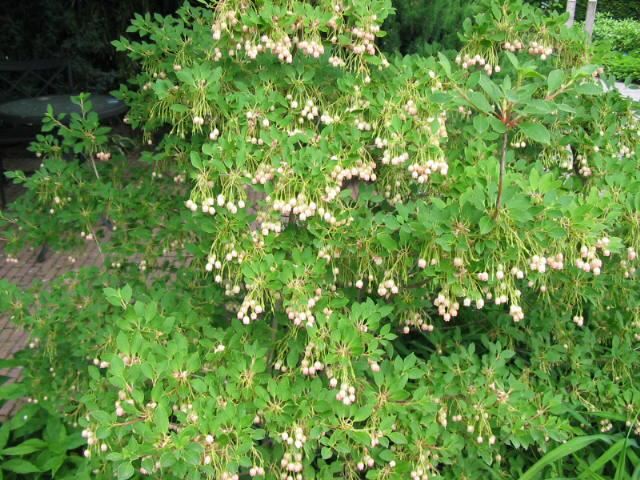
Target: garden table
(21, 119)
(30, 111)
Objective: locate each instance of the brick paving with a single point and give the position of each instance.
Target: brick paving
(23, 273)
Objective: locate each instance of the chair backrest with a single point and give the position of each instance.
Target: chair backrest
(33, 78)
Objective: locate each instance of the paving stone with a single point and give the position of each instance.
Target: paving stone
(27, 270)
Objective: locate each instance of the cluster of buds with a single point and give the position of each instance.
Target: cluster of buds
(578, 320)
(536, 48)
(142, 265)
(207, 206)
(263, 174)
(303, 315)
(256, 471)
(249, 311)
(336, 61)
(446, 308)
(628, 270)
(584, 169)
(364, 40)
(100, 363)
(227, 19)
(297, 206)
(268, 226)
(180, 178)
(516, 313)
(416, 321)
(468, 62)
(214, 134)
(280, 367)
(311, 48)
(422, 172)
(327, 119)
(387, 159)
(538, 263)
(605, 426)
(229, 476)
(519, 144)
(130, 361)
(11, 259)
(589, 261)
(625, 152)
(483, 276)
(309, 112)
(366, 462)
(280, 48)
(198, 121)
(419, 474)
(86, 236)
(516, 272)
(479, 303)
(381, 143)
(514, 46)
(603, 244)
(311, 369)
(387, 288)
(297, 440)
(362, 170)
(231, 290)
(631, 256)
(363, 125)
(292, 463)
(103, 156)
(346, 394)
(122, 397)
(252, 49)
(411, 108)
(213, 262)
(556, 262)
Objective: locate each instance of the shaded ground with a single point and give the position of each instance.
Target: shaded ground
(632, 92)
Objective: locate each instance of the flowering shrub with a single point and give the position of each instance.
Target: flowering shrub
(386, 268)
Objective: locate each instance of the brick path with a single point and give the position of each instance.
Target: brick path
(23, 273)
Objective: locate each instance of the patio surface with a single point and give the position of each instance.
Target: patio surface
(23, 273)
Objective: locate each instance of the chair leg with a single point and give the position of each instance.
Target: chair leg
(3, 198)
(42, 254)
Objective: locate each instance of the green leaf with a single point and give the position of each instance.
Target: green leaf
(486, 224)
(536, 132)
(17, 465)
(126, 293)
(26, 447)
(572, 446)
(387, 241)
(125, 471)
(446, 65)
(555, 79)
(196, 161)
(479, 101)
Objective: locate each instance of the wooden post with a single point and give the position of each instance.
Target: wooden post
(591, 17)
(571, 8)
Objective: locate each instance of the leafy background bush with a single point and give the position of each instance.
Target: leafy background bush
(465, 302)
(618, 46)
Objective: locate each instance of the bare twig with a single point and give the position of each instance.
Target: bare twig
(503, 162)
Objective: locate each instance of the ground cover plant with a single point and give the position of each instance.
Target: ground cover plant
(618, 46)
(330, 263)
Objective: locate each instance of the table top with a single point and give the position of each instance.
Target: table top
(30, 111)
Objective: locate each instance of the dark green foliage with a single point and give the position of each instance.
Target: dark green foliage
(421, 22)
(616, 8)
(80, 30)
(617, 46)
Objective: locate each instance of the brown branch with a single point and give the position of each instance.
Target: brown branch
(503, 162)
